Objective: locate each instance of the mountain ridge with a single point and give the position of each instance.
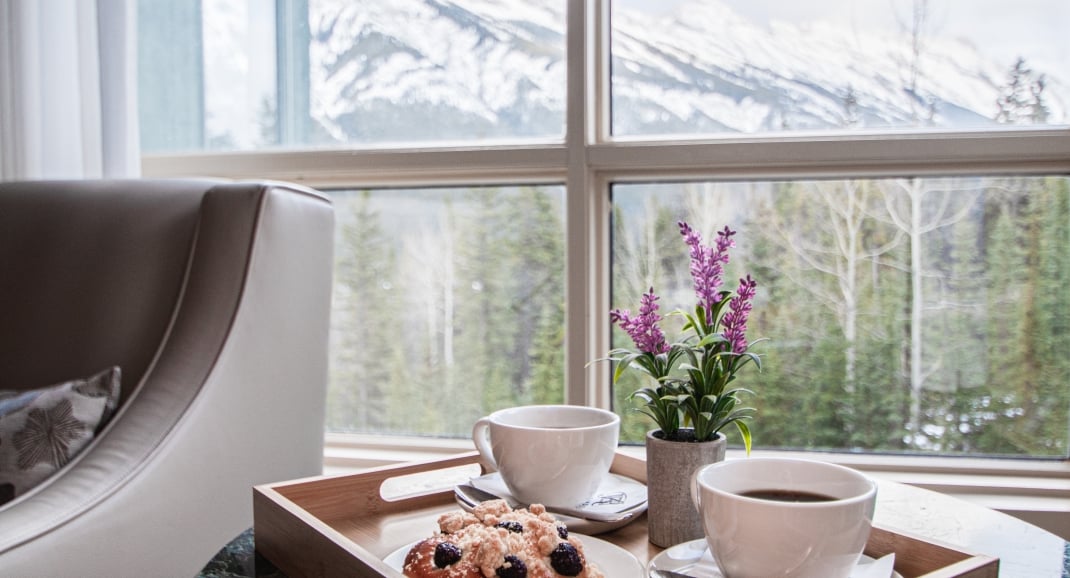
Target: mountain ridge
(425, 70)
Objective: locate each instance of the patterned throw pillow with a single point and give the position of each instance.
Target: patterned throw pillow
(43, 429)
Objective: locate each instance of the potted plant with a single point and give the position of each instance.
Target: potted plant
(689, 390)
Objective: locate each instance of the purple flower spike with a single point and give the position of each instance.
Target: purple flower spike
(735, 321)
(725, 242)
(643, 328)
(707, 265)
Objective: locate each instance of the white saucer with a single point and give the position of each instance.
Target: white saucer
(694, 559)
(617, 493)
(611, 559)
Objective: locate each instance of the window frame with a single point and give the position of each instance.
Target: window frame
(588, 161)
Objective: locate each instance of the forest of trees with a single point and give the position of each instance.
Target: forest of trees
(449, 303)
(901, 314)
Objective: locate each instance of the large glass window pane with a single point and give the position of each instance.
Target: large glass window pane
(917, 315)
(324, 73)
(746, 66)
(448, 304)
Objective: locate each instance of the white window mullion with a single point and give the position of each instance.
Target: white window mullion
(1018, 151)
(578, 216)
(384, 167)
(598, 130)
(587, 212)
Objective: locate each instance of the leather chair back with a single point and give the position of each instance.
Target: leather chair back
(85, 285)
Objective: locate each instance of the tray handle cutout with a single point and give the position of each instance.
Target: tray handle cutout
(407, 486)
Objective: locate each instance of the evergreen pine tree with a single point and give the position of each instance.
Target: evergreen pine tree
(1021, 99)
(1006, 253)
(360, 381)
(535, 245)
(1052, 334)
(484, 327)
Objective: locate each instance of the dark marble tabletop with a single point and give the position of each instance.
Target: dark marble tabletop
(239, 559)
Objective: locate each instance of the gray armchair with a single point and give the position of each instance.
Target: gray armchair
(213, 298)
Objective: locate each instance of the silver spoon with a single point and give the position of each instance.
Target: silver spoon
(668, 574)
(472, 496)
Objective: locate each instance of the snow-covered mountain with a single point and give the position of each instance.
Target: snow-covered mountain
(707, 68)
(478, 69)
(415, 69)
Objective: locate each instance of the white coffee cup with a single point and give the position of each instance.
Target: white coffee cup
(752, 537)
(556, 455)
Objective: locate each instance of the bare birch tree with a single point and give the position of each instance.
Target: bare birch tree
(917, 207)
(918, 28)
(839, 254)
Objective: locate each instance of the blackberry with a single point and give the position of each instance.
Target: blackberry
(566, 560)
(446, 553)
(513, 526)
(562, 532)
(513, 568)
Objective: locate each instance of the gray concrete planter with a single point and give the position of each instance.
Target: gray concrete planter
(671, 517)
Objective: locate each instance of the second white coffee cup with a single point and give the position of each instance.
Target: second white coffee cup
(556, 455)
(784, 517)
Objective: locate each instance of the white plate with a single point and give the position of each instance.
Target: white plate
(616, 494)
(694, 558)
(614, 561)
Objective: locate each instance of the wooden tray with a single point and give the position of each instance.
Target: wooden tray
(343, 526)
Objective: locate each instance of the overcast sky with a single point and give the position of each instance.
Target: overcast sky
(1039, 30)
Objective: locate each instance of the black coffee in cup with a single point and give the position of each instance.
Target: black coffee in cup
(787, 496)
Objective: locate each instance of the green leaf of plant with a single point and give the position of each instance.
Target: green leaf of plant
(744, 432)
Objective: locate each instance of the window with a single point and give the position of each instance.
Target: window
(601, 122)
(336, 74)
(909, 314)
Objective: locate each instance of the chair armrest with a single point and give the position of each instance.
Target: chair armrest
(234, 397)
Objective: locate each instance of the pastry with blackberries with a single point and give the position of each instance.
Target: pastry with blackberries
(496, 541)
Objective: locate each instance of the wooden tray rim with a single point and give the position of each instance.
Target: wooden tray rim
(276, 510)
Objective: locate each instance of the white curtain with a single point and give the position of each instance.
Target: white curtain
(68, 89)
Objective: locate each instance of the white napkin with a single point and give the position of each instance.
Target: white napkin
(879, 568)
